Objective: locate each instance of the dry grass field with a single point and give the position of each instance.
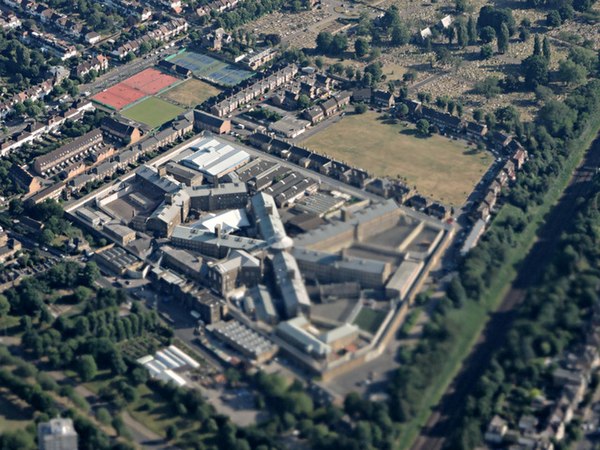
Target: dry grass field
(190, 93)
(441, 168)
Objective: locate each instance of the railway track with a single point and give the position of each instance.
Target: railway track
(444, 418)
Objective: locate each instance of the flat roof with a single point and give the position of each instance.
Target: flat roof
(187, 233)
(214, 157)
(339, 226)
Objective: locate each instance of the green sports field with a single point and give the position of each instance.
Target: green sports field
(152, 111)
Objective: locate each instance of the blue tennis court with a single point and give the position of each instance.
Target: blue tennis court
(211, 69)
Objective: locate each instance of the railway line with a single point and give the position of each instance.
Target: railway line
(444, 418)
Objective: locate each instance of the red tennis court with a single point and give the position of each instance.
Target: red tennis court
(118, 96)
(147, 82)
(150, 81)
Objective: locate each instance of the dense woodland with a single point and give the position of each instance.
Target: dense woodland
(20, 66)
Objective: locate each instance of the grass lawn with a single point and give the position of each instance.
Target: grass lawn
(440, 168)
(14, 414)
(369, 319)
(153, 112)
(190, 93)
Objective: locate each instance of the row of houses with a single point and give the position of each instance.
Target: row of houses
(254, 91)
(163, 33)
(175, 130)
(68, 24)
(106, 164)
(308, 159)
(51, 44)
(453, 125)
(546, 421)
(37, 130)
(9, 20)
(99, 63)
(131, 8)
(217, 6)
(332, 105)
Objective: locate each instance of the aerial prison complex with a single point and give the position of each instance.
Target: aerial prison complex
(218, 230)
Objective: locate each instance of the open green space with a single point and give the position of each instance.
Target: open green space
(369, 319)
(472, 317)
(440, 168)
(190, 93)
(153, 112)
(150, 410)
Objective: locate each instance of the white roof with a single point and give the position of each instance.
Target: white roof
(215, 157)
(230, 221)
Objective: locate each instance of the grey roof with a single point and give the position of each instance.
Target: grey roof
(338, 227)
(165, 184)
(294, 329)
(219, 189)
(269, 223)
(264, 303)
(290, 283)
(185, 233)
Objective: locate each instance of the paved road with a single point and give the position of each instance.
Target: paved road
(444, 418)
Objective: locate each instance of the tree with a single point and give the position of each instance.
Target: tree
(324, 40)
(90, 274)
(486, 51)
(402, 110)
(350, 72)
(495, 17)
(361, 47)
(503, 39)
(535, 71)
(391, 18)
(553, 19)
(583, 5)
(86, 367)
(303, 101)
(558, 118)
(423, 127)
(524, 34)
(477, 115)
(4, 306)
(571, 73)
(472, 30)
(487, 34)
(546, 51)
(339, 44)
(400, 34)
(537, 46)
(489, 88)
(461, 5)
(462, 37)
(361, 108)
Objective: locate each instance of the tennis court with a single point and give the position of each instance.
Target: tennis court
(150, 81)
(209, 68)
(145, 83)
(118, 96)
